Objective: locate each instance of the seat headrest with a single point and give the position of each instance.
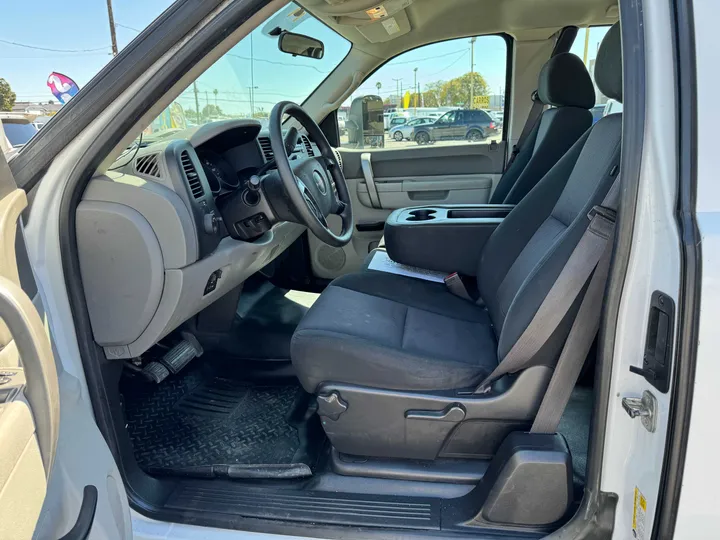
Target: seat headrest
(564, 82)
(608, 64)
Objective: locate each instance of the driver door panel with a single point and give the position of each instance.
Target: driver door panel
(29, 394)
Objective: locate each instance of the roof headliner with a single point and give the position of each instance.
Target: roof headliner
(437, 20)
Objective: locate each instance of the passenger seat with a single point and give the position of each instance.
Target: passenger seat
(565, 84)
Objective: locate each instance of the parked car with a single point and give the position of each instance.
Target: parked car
(469, 124)
(395, 118)
(405, 131)
(18, 129)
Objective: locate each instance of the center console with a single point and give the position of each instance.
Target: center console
(447, 238)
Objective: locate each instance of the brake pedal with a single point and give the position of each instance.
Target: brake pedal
(174, 360)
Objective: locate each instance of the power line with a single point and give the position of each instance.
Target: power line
(24, 45)
(450, 65)
(276, 63)
(429, 58)
(76, 55)
(127, 27)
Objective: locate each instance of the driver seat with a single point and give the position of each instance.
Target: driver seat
(378, 348)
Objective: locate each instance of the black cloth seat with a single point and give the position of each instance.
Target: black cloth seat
(565, 84)
(390, 332)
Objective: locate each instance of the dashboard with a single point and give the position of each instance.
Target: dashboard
(153, 248)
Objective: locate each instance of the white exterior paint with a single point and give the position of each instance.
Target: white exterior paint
(698, 509)
(633, 457)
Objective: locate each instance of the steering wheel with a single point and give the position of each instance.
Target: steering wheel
(315, 186)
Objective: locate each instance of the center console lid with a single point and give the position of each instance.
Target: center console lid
(447, 238)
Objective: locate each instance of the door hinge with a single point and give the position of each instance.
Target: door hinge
(645, 407)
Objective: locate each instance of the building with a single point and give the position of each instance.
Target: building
(47, 108)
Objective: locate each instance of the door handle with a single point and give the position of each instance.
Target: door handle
(86, 516)
(367, 171)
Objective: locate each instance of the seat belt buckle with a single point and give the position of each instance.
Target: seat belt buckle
(603, 211)
(456, 286)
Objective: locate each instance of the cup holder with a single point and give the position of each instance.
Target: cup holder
(421, 215)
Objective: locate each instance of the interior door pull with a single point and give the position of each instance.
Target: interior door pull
(86, 516)
(367, 171)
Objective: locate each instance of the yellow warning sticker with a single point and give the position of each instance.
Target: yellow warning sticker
(639, 511)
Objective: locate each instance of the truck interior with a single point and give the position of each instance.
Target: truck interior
(265, 364)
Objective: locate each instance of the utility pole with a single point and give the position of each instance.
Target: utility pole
(111, 19)
(472, 71)
(587, 42)
(415, 91)
(207, 103)
(398, 89)
(197, 103)
(252, 79)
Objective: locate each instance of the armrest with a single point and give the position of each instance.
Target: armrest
(446, 238)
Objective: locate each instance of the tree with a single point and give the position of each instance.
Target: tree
(455, 92)
(260, 113)
(191, 115)
(7, 96)
(211, 111)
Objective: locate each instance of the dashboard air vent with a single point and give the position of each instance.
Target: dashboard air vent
(148, 165)
(196, 187)
(308, 146)
(266, 148)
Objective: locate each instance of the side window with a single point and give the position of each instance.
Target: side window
(448, 84)
(585, 46)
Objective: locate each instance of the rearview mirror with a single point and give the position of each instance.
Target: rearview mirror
(300, 45)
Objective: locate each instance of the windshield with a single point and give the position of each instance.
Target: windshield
(18, 133)
(255, 75)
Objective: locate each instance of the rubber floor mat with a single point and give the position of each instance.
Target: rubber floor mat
(197, 419)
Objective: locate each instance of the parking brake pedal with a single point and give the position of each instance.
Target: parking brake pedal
(174, 360)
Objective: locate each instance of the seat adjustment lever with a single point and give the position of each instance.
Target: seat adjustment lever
(451, 413)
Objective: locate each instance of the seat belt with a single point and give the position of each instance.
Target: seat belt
(533, 117)
(575, 351)
(563, 43)
(585, 258)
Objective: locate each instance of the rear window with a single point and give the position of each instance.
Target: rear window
(481, 116)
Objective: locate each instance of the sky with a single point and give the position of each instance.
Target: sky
(75, 41)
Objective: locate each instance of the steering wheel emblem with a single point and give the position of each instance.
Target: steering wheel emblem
(320, 182)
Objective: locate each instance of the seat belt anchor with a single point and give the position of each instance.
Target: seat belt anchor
(603, 211)
(456, 286)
